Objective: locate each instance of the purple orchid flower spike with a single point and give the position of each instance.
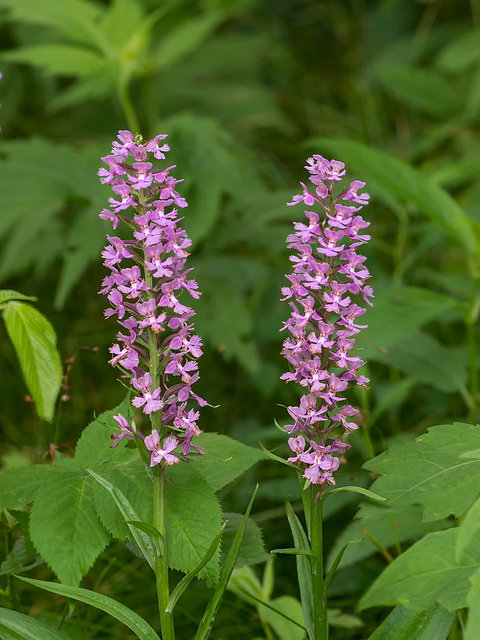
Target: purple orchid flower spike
(325, 292)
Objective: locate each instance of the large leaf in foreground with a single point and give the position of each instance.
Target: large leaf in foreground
(430, 571)
(64, 525)
(401, 624)
(432, 471)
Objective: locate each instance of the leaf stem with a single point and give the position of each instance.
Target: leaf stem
(316, 541)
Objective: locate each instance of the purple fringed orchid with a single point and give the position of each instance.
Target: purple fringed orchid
(328, 273)
(156, 348)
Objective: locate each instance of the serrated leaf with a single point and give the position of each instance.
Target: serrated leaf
(193, 519)
(117, 610)
(426, 573)
(35, 342)
(58, 59)
(17, 626)
(402, 624)
(64, 526)
(224, 459)
(20, 485)
(394, 181)
(252, 550)
(430, 471)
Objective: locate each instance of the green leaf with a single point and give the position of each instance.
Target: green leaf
(17, 626)
(224, 460)
(423, 89)
(8, 294)
(460, 52)
(252, 549)
(206, 623)
(58, 59)
(304, 572)
(386, 528)
(193, 519)
(64, 525)
(20, 485)
(182, 40)
(430, 471)
(361, 490)
(142, 539)
(35, 343)
(285, 617)
(472, 630)
(121, 24)
(430, 571)
(118, 611)
(402, 624)
(397, 314)
(394, 182)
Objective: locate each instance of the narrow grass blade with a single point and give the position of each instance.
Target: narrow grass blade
(304, 572)
(336, 562)
(17, 626)
(208, 618)
(120, 612)
(128, 512)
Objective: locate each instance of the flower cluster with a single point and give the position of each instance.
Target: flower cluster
(156, 347)
(328, 275)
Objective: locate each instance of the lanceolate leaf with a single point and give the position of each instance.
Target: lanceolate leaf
(9, 294)
(430, 471)
(35, 342)
(17, 626)
(117, 610)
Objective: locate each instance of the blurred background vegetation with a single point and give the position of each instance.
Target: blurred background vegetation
(246, 91)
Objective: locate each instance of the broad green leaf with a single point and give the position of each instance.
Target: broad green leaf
(35, 342)
(460, 52)
(424, 358)
(304, 572)
(94, 445)
(423, 89)
(338, 618)
(17, 626)
(73, 18)
(142, 539)
(8, 294)
(193, 519)
(472, 630)
(428, 572)
(397, 313)
(120, 24)
(469, 530)
(58, 59)
(290, 625)
(402, 624)
(224, 460)
(185, 38)
(117, 610)
(20, 485)
(430, 471)
(64, 525)
(394, 181)
(386, 529)
(252, 549)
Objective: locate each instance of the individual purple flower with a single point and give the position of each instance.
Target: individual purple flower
(158, 348)
(325, 291)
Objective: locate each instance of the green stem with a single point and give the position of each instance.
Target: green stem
(316, 542)
(161, 566)
(127, 107)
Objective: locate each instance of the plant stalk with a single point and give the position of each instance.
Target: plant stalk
(316, 542)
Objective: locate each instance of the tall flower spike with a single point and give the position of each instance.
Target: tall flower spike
(156, 347)
(327, 288)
